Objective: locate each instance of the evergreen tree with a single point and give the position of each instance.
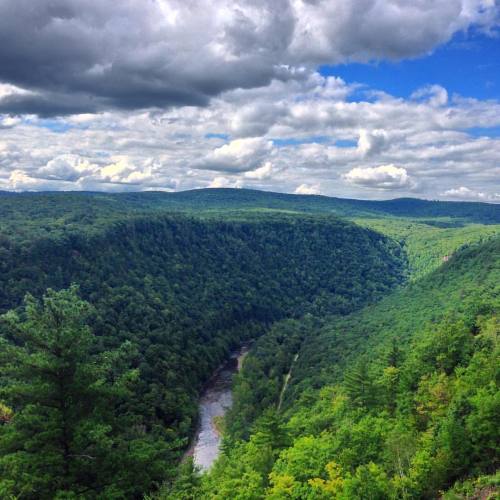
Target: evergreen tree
(64, 439)
(359, 386)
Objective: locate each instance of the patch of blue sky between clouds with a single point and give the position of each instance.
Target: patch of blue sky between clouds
(295, 141)
(225, 137)
(492, 132)
(468, 65)
(54, 125)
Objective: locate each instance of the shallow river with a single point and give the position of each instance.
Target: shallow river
(214, 402)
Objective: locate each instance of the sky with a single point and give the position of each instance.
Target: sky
(371, 99)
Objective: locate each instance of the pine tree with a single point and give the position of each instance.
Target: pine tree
(359, 386)
(64, 438)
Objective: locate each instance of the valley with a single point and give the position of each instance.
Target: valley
(335, 296)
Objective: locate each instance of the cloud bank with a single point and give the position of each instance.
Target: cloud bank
(76, 56)
(382, 177)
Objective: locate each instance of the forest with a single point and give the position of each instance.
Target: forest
(118, 308)
(397, 400)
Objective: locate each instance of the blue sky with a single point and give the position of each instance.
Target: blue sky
(468, 65)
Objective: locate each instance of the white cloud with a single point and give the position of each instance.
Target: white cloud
(365, 30)
(224, 182)
(239, 155)
(435, 95)
(382, 177)
(465, 193)
(79, 57)
(21, 181)
(261, 173)
(8, 90)
(66, 168)
(7, 121)
(308, 189)
(370, 143)
(316, 131)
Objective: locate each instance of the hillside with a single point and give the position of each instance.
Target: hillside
(429, 243)
(429, 230)
(398, 400)
(173, 294)
(357, 315)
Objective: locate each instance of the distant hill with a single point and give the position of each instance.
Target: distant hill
(403, 207)
(90, 209)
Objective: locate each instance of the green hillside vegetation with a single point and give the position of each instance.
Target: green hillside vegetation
(169, 296)
(398, 400)
(374, 373)
(24, 216)
(430, 230)
(429, 243)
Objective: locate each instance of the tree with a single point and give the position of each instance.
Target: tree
(65, 438)
(359, 385)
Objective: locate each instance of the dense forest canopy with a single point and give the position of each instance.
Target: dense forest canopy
(379, 314)
(178, 293)
(397, 400)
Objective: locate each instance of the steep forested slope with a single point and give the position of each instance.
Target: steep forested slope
(430, 230)
(429, 243)
(179, 293)
(398, 400)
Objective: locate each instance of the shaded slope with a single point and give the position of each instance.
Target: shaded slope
(461, 287)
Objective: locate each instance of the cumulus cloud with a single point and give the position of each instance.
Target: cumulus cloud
(224, 182)
(19, 180)
(365, 30)
(239, 155)
(307, 189)
(312, 131)
(465, 193)
(66, 168)
(382, 177)
(77, 56)
(370, 143)
(261, 173)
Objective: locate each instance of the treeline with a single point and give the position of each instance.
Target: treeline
(398, 400)
(24, 216)
(169, 297)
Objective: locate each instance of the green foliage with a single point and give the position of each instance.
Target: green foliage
(66, 438)
(429, 243)
(397, 400)
(261, 381)
(413, 400)
(358, 384)
(483, 487)
(180, 293)
(28, 216)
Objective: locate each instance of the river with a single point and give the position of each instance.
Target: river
(215, 400)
